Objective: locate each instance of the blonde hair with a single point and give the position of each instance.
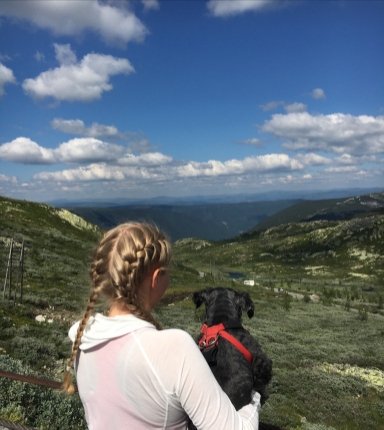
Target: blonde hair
(125, 255)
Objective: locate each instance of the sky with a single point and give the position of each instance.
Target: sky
(104, 100)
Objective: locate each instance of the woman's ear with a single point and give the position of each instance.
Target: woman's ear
(155, 277)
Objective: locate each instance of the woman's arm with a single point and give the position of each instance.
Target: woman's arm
(203, 399)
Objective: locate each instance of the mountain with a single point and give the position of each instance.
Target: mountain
(215, 199)
(214, 221)
(331, 209)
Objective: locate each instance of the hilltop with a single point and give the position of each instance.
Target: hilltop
(328, 209)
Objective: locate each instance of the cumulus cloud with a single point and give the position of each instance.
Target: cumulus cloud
(26, 151)
(318, 94)
(6, 77)
(149, 159)
(338, 133)
(256, 164)
(85, 150)
(77, 126)
(112, 20)
(85, 80)
(225, 8)
(80, 150)
(313, 159)
(93, 172)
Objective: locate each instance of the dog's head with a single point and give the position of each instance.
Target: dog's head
(223, 304)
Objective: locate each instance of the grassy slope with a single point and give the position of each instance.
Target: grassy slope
(309, 342)
(57, 250)
(328, 363)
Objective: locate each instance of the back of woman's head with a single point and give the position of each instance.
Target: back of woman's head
(125, 256)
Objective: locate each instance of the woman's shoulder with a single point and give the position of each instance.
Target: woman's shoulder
(174, 337)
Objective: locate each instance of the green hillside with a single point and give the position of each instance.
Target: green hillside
(57, 247)
(317, 285)
(330, 209)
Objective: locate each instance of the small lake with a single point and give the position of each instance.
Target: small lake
(236, 275)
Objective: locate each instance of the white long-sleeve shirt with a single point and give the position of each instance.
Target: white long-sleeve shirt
(132, 376)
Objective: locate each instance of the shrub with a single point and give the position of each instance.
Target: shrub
(362, 313)
(37, 406)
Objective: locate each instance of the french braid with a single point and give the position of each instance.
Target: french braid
(124, 257)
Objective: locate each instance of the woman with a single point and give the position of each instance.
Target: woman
(130, 373)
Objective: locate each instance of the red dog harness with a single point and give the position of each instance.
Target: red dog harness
(210, 337)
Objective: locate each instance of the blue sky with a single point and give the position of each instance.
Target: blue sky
(136, 99)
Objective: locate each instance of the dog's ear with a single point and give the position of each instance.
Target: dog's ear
(199, 297)
(246, 304)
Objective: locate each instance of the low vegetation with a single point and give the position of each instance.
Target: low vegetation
(318, 292)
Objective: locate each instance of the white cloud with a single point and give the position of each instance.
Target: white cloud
(272, 105)
(313, 159)
(6, 77)
(149, 158)
(8, 179)
(77, 81)
(112, 20)
(342, 169)
(93, 172)
(288, 107)
(318, 94)
(86, 150)
(338, 133)
(77, 126)
(256, 164)
(39, 56)
(26, 151)
(295, 107)
(151, 4)
(253, 141)
(78, 150)
(64, 54)
(224, 8)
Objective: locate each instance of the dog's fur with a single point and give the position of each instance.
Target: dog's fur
(236, 376)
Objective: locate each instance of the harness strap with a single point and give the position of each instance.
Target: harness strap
(236, 343)
(210, 337)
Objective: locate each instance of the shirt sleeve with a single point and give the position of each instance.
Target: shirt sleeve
(202, 398)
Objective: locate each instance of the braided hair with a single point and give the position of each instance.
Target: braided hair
(124, 257)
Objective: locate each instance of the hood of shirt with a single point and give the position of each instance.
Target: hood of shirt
(101, 329)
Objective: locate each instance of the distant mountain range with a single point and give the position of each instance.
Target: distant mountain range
(224, 220)
(213, 221)
(221, 198)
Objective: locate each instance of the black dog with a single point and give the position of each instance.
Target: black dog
(237, 373)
